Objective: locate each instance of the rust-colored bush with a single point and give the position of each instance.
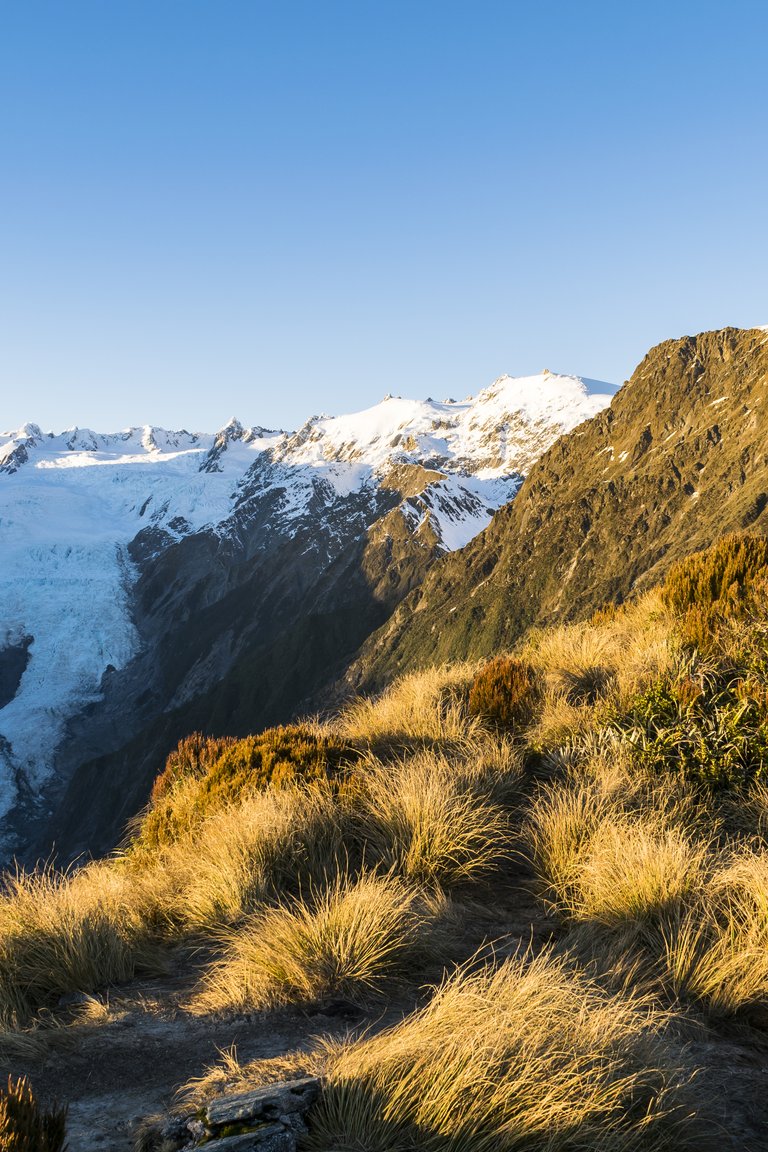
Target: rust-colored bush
(194, 756)
(505, 691)
(205, 773)
(24, 1125)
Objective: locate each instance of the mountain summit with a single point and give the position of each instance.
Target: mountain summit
(155, 581)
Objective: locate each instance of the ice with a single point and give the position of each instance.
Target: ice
(71, 503)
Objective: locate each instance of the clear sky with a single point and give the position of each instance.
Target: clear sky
(270, 209)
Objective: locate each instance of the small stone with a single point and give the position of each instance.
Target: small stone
(267, 1102)
(196, 1129)
(294, 1122)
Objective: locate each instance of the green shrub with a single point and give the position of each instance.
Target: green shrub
(24, 1126)
(505, 691)
(204, 774)
(712, 732)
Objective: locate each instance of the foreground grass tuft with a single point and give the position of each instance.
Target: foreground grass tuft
(24, 1125)
(528, 1055)
(72, 932)
(347, 940)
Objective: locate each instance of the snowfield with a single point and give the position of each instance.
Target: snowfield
(70, 504)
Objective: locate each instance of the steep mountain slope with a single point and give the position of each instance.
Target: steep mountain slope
(156, 582)
(678, 460)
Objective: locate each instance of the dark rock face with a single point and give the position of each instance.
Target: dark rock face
(240, 629)
(678, 460)
(13, 662)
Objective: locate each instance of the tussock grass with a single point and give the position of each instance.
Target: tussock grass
(718, 952)
(273, 842)
(613, 851)
(348, 939)
(427, 818)
(635, 870)
(73, 932)
(424, 706)
(231, 1074)
(24, 1125)
(563, 823)
(528, 1055)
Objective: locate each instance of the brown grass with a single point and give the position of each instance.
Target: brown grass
(348, 939)
(428, 819)
(424, 706)
(528, 1055)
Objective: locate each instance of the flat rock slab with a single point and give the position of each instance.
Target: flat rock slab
(267, 1103)
(270, 1138)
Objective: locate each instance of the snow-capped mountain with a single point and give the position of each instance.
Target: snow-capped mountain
(228, 544)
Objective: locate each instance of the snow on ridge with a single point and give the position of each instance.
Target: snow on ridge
(71, 503)
(491, 431)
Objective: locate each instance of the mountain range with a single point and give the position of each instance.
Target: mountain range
(157, 582)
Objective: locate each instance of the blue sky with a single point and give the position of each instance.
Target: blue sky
(215, 207)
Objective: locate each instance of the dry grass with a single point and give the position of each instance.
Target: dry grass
(609, 853)
(24, 1125)
(636, 870)
(270, 844)
(477, 1070)
(427, 818)
(73, 932)
(562, 825)
(592, 666)
(348, 939)
(424, 706)
(230, 1074)
(718, 952)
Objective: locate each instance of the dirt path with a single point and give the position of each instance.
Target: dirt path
(125, 1061)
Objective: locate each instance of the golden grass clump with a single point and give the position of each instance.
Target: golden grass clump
(636, 870)
(428, 819)
(24, 1125)
(73, 932)
(273, 842)
(528, 1055)
(594, 668)
(718, 953)
(347, 939)
(423, 706)
(599, 861)
(562, 823)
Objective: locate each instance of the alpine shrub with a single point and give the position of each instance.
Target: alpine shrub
(722, 583)
(712, 732)
(204, 774)
(505, 691)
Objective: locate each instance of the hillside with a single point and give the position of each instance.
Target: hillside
(677, 461)
(518, 904)
(154, 582)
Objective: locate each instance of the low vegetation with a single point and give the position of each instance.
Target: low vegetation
(616, 767)
(347, 940)
(526, 1054)
(24, 1125)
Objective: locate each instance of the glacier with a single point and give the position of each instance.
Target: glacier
(72, 503)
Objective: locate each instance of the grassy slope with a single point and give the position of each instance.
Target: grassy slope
(611, 844)
(676, 462)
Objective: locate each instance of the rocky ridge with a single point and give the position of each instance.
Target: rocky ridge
(677, 461)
